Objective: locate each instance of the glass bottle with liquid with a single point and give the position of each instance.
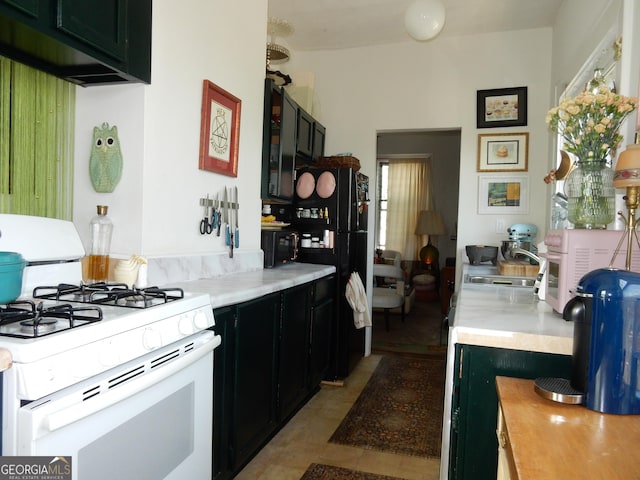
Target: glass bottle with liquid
(101, 230)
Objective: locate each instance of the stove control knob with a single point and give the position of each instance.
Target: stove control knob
(151, 339)
(200, 320)
(185, 325)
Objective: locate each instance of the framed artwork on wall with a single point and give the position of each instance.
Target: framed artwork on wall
(503, 194)
(219, 130)
(502, 107)
(503, 152)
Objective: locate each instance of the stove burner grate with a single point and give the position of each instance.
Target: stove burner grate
(36, 320)
(117, 294)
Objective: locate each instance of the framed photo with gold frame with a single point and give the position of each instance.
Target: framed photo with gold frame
(219, 130)
(502, 194)
(503, 152)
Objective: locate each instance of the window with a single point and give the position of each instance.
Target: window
(383, 191)
(36, 142)
(403, 191)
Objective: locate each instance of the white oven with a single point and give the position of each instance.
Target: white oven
(148, 419)
(117, 378)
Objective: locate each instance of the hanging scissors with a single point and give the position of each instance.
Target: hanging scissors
(206, 226)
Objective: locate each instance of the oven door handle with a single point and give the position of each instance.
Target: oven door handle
(69, 415)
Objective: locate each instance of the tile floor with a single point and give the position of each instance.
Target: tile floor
(305, 440)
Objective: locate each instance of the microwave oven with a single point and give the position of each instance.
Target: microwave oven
(279, 246)
(571, 254)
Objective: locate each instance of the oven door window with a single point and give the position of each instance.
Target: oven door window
(161, 432)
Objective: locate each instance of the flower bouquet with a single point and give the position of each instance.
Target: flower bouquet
(589, 125)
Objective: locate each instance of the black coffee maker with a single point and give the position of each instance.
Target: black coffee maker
(606, 340)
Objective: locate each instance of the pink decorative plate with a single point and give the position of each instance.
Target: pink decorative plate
(326, 184)
(305, 185)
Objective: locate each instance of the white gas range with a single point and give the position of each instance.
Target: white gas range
(91, 363)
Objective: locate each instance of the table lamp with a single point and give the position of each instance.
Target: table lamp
(627, 175)
(429, 223)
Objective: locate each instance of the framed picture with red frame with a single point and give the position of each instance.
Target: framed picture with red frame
(219, 130)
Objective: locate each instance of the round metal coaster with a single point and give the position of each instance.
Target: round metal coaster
(558, 390)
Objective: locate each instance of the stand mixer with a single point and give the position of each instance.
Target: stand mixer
(521, 236)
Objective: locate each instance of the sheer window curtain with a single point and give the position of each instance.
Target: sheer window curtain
(409, 192)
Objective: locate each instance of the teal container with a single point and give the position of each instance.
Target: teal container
(11, 268)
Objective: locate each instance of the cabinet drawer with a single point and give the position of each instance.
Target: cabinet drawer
(324, 289)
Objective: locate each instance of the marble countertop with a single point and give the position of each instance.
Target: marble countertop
(508, 317)
(243, 286)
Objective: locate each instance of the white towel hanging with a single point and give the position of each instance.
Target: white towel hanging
(357, 298)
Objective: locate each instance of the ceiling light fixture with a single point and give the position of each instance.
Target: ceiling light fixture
(276, 52)
(424, 19)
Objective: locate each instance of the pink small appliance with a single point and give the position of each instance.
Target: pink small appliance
(572, 253)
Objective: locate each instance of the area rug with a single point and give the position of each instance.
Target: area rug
(400, 408)
(421, 333)
(317, 471)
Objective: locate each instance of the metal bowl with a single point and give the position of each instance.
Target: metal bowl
(508, 245)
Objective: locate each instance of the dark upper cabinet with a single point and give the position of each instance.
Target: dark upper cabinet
(30, 8)
(318, 142)
(86, 43)
(278, 143)
(304, 142)
(291, 138)
(101, 25)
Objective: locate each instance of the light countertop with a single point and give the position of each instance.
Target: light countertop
(243, 286)
(508, 317)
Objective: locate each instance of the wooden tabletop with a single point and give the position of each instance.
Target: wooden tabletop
(552, 441)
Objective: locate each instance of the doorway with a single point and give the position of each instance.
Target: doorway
(443, 146)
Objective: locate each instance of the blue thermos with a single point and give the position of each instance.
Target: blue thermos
(613, 384)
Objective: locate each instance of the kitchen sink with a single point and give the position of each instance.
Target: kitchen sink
(503, 280)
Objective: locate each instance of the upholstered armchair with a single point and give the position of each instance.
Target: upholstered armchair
(387, 298)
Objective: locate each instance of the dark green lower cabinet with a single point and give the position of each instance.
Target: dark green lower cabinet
(294, 350)
(322, 311)
(265, 369)
(222, 391)
(254, 390)
(473, 451)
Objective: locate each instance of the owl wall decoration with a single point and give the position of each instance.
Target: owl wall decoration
(105, 162)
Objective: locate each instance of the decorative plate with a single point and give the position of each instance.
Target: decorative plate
(326, 184)
(305, 185)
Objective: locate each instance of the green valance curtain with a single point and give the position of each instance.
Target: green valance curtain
(36, 142)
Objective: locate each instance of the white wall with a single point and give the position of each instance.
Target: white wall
(155, 207)
(417, 86)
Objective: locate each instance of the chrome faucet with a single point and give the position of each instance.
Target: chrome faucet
(521, 251)
(543, 267)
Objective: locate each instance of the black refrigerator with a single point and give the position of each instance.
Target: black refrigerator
(331, 205)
